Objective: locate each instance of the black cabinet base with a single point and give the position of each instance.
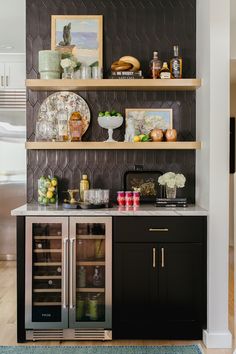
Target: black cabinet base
(179, 331)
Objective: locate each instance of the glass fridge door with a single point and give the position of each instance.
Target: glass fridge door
(90, 272)
(46, 273)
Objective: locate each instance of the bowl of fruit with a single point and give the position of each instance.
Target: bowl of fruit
(110, 120)
(47, 190)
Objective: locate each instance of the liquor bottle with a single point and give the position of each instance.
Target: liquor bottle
(84, 185)
(62, 121)
(176, 64)
(155, 66)
(97, 277)
(75, 126)
(82, 277)
(165, 71)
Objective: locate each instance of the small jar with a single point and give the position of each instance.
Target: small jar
(136, 196)
(171, 135)
(129, 199)
(121, 198)
(156, 135)
(47, 190)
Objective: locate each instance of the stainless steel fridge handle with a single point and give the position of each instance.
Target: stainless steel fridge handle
(7, 80)
(65, 275)
(72, 272)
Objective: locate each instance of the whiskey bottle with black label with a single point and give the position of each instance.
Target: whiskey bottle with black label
(176, 64)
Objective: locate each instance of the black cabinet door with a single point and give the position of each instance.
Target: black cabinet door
(135, 287)
(181, 290)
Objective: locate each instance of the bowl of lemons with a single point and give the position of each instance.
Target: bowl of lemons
(47, 190)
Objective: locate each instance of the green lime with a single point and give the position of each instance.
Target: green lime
(52, 201)
(113, 113)
(107, 113)
(101, 114)
(145, 138)
(45, 201)
(43, 190)
(40, 200)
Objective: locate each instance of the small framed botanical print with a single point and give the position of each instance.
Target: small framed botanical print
(145, 120)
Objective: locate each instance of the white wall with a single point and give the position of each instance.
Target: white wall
(213, 52)
(233, 28)
(12, 26)
(232, 178)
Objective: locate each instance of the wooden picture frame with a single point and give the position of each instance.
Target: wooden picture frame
(144, 119)
(90, 23)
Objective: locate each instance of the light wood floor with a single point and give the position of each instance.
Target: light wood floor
(8, 315)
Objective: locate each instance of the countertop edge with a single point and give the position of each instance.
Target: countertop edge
(143, 210)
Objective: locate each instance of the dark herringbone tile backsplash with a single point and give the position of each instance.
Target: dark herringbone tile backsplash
(130, 28)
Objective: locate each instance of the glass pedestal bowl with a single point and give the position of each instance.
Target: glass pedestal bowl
(110, 123)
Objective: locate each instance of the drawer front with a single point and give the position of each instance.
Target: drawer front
(159, 229)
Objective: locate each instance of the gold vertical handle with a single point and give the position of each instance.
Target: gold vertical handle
(153, 258)
(162, 258)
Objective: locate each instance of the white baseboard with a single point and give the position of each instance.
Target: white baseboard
(217, 340)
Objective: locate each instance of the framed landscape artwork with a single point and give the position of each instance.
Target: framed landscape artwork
(144, 120)
(80, 35)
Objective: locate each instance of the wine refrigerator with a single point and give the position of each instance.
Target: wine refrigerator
(68, 278)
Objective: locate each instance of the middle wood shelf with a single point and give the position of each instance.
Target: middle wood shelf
(86, 145)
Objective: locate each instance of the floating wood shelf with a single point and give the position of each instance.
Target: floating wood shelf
(178, 145)
(114, 84)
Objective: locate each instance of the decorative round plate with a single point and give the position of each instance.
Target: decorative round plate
(66, 101)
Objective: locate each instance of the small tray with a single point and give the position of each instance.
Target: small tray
(91, 206)
(69, 206)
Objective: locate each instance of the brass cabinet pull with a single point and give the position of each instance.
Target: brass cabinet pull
(158, 230)
(162, 258)
(65, 273)
(153, 258)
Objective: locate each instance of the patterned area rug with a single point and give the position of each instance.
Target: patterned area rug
(188, 349)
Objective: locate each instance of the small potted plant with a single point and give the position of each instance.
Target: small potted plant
(172, 181)
(68, 65)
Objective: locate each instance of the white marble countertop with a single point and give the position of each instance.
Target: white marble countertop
(143, 210)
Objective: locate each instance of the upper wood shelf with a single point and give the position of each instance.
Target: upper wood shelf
(178, 145)
(114, 84)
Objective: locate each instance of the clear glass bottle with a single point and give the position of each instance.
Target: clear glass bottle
(62, 121)
(176, 64)
(165, 71)
(84, 185)
(75, 126)
(155, 66)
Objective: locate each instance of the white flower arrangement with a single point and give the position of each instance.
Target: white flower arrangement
(68, 63)
(171, 180)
